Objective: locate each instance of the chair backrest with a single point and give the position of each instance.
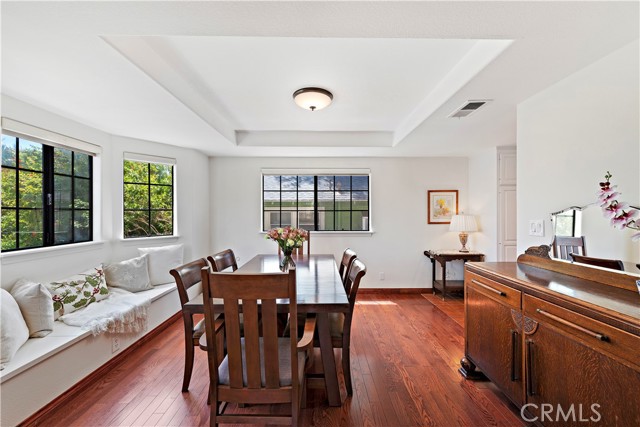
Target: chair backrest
(348, 256)
(223, 260)
(614, 264)
(300, 250)
(186, 276)
(563, 246)
(357, 270)
(254, 378)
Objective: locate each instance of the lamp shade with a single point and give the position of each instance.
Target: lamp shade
(463, 223)
(312, 98)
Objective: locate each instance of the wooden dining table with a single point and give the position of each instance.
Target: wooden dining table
(319, 291)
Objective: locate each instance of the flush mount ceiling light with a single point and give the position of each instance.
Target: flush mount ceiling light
(312, 98)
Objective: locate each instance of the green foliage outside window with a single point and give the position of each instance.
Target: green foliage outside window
(148, 199)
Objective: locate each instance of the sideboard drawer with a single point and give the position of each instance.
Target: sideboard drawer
(621, 345)
(494, 290)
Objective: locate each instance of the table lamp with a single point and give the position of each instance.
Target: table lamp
(463, 224)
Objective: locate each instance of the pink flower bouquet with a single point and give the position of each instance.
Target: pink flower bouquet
(288, 238)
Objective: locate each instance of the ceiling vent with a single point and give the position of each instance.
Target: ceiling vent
(468, 108)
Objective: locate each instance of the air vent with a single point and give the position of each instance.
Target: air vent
(468, 108)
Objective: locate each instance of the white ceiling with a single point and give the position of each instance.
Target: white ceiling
(218, 76)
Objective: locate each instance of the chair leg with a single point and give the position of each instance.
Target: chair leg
(188, 363)
(346, 369)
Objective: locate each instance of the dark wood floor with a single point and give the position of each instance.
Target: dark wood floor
(405, 354)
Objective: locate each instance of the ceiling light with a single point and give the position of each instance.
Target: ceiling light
(312, 98)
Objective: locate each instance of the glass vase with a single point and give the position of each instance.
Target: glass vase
(287, 261)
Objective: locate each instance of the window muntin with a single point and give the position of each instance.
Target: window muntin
(316, 202)
(46, 195)
(148, 199)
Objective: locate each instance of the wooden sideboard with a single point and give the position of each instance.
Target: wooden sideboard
(556, 337)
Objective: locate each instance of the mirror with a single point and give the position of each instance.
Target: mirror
(601, 240)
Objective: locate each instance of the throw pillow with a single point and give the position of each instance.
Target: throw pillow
(131, 275)
(13, 329)
(34, 301)
(78, 291)
(161, 261)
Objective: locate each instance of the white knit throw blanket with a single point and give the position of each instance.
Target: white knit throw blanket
(122, 312)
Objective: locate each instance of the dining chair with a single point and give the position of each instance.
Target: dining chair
(223, 260)
(563, 246)
(614, 264)
(260, 367)
(340, 323)
(348, 256)
(300, 250)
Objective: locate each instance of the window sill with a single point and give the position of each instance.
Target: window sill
(329, 233)
(138, 240)
(36, 253)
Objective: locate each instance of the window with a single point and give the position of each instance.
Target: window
(47, 196)
(316, 202)
(148, 199)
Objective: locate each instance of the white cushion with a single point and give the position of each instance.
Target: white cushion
(14, 331)
(161, 260)
(131, 275)
(36, 306)
(78, 291)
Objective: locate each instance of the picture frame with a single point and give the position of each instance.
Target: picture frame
(441, 206)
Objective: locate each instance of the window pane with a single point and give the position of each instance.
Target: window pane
(8, 187)
(343, 183)
(62, 227)
(343, 220)
(343, 201)
(271, 182)
(289, 200)
(305, 200)
(360, 200)
(62, 198)
(30, 189)
(161, 223)
(305, 183)
(325, 183)
(161, 174)
(289, 218)
(306, 220)
(30, 155)
(136, 223)
(81, 225)
(136, 172)
(31, 226)
(81, 164)
(325, 221)
(271, 220)
(271, 200)
(360, 221)
(62, 161)
(161, 197)
(82, 193)
(8, 227)
(8, 150)
(325, 200)
(289, 182)
(136, 196)
(359, 182)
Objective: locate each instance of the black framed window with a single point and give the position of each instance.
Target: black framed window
(47, 195)
(316, 202)
(148, 199)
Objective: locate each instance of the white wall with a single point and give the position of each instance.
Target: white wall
(569, 135)
(192, 204)
(399, 213)
(483, 202)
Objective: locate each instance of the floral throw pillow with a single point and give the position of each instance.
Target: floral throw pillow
(78, 291)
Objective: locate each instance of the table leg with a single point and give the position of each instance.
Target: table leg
(328, 360)
(444, 280)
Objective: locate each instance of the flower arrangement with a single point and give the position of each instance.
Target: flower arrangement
(288, 238)
(621, 214)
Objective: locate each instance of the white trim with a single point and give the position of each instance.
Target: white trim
(149, 239)
(146, 158)
(36, 134)
(36, 253)
(303, 172)
(344, 232)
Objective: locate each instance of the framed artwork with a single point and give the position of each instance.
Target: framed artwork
(442, 205)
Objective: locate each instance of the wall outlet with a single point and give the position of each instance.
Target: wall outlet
(115, 344)
(381, 275)
(536, 227)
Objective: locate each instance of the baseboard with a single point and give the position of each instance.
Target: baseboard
(39, 417)
(387, 291)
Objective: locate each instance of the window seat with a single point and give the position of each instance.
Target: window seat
(44, 368)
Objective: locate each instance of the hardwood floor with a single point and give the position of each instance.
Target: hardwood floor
(405, 354)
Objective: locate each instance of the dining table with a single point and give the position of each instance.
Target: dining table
(319, 290)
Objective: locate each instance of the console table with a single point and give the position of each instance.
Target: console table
(445, 256)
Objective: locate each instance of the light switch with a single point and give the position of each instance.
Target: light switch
(536, 227)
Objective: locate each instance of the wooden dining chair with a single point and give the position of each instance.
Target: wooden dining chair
(300, 250)
(348, 256)
(223, 260)
(340, 323)
(563, 246)
(614, 264)
(260, 367)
